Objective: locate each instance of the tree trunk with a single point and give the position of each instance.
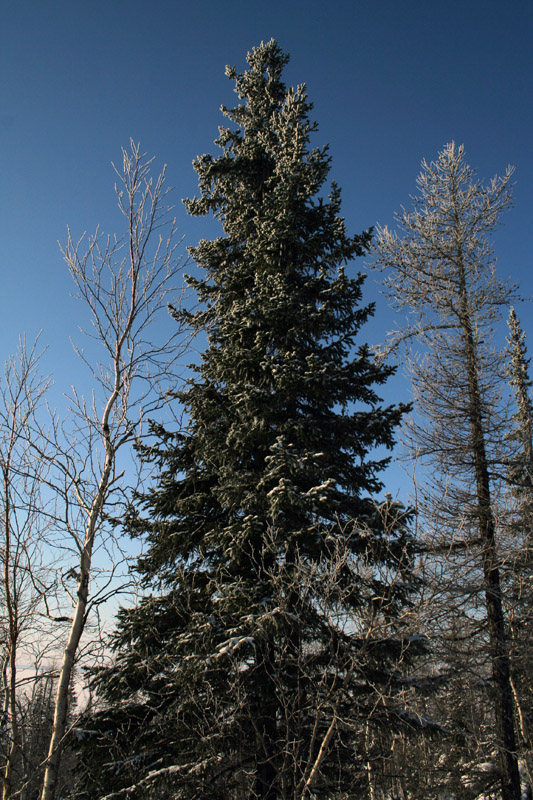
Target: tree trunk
(266, 772)
(59, 727)
(499, 650)
(13, 633)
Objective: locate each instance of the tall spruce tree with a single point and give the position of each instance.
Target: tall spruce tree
(268, 645)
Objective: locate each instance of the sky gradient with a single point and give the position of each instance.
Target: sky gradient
(391, 83)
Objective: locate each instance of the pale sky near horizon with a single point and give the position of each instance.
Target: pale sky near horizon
(391, 82)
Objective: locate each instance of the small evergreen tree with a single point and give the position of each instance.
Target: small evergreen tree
(268, 646)
(519, 547)
(521, 473)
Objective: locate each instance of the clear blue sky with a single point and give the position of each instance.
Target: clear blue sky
(392, 81)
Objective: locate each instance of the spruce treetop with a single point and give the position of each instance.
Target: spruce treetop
(269, 419)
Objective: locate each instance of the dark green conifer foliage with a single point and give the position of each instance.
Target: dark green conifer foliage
(521, 472)
(520, 543)
(266, 647)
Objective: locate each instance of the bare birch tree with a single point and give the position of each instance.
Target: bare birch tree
(126, 285)
(441, 269)
(25, 520)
